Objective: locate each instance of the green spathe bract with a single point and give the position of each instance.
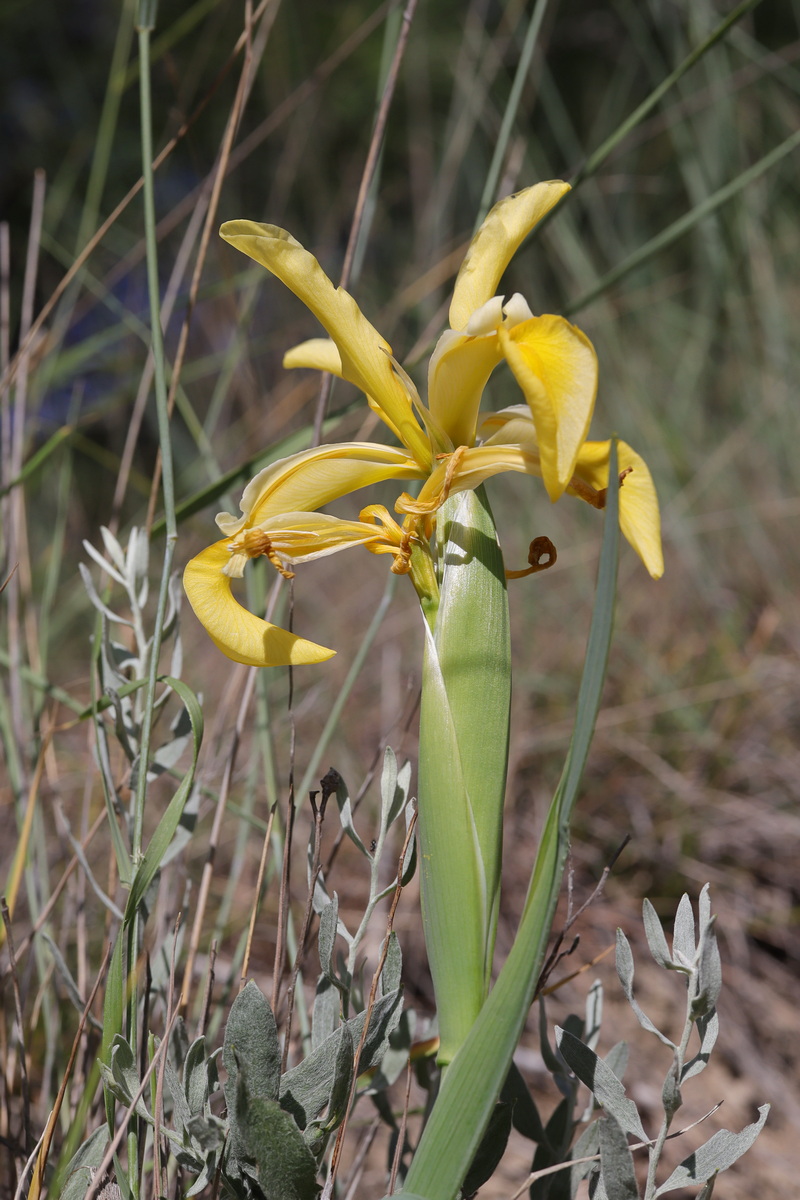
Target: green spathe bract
(462, 1110)
(463, 757)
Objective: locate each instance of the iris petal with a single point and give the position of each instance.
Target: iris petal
(459, 369)
(238, 633)
(308, 480)
(495, 243)
(639, 518)
(555, 365)
(364, 353)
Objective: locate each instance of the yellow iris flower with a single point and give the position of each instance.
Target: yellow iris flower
(553, 362)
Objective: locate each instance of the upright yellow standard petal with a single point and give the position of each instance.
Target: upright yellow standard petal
(494, 245)
(459, 369)
(555, 365)
(365, 355)
(238, 633)
(639, 517)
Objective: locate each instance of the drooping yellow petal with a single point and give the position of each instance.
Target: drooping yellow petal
(495, 243)
(238, 633)
(306, 481)
(364, 353)
(459, 369)
(639, 517)
(321, 354)
(556, 366)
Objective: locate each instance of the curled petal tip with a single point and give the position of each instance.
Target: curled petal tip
(238, 633)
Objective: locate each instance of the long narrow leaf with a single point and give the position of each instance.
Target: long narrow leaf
(166, 827)
(462, 1110)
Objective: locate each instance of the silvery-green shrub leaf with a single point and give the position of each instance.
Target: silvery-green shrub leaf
(526, 1117)
(328, 926)
(601, 1081)
(554, 1148)
(395, 1058)
(114, 552)
(85, 1160)
(393, 966)
(96, 601)
(625, 971)
(616, 1161)
(617, 1059)
(252, 1057)
(594, 1015)
(708, 1029)
(709, 971)
(346, 816)
(587, 1145)
(684, 946)
(342, 1080)
(306, 1088)
(720, 1152)
(388, 787)
(490, 1151)
(207, 1131)
(671, 1098)
(325, 1017)
(286, 1167)
(704, 906)
(656, 939)
(123, 1067)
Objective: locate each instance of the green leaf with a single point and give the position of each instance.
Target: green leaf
(165, 830)
(601, 1082)
(305, 1090)
(286, 1167)
(616, 1161)
(720, 1152)
(463, 754)
(251, 1038)
(461, 1111)
(80, 1169)
(625, 970)
(491, 1150)
(656, 938)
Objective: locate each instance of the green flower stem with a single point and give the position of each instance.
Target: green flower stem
(463, 756)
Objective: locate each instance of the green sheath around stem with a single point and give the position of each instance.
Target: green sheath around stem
(463, 758)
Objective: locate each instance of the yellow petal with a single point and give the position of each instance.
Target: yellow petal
(495, 243)
(238, 633)
(459, 369)
(320, 354)
(364, 353)
(474, 467)
(639, 517)
(306, 481)
(303, 536)
(556, 366)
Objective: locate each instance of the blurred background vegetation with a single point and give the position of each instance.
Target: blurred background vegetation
(697, 747)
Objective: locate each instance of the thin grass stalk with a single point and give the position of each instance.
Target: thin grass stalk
(489, 196)
(683, 224)
(10, 372)
(252, 57)
(368, 177)
(346, 688)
